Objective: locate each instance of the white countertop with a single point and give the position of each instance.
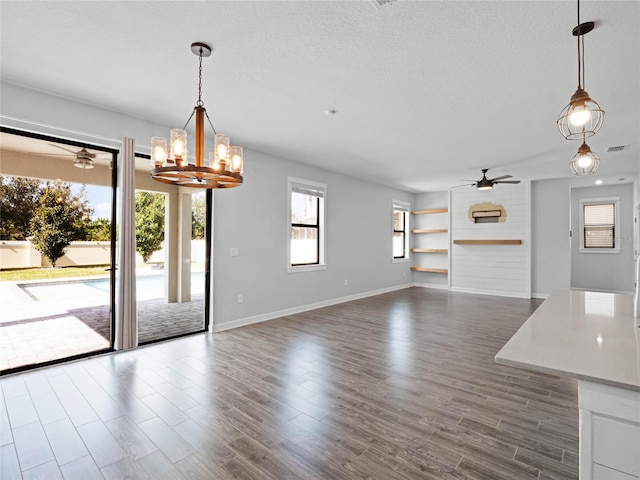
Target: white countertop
(585, 335)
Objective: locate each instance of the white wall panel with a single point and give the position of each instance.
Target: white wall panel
(492, 269)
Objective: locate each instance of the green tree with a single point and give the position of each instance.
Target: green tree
(19, 198)
(198, 217)
(59, 219)
(99, 230)
(149, 223)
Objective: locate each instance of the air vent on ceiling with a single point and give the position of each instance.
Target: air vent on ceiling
(616, 149)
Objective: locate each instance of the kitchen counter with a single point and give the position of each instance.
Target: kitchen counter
(584, 335)
(592, 337)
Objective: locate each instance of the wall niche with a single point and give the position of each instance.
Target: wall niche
(487, 213)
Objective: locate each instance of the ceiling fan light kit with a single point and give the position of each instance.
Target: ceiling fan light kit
(582, 117)
(84, 159)
(171, 162)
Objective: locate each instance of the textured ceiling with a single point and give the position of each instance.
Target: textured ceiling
(427, 92)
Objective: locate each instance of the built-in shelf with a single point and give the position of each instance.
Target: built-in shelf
(487, 242)
(427, 269)
(431, 244)
(429, 230)
(431, 210)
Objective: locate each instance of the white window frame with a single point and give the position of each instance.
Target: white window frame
(616, 238)
(405, 207)
(292, 184)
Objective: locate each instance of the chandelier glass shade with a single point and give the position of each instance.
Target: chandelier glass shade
(170, 161)
(585, 162)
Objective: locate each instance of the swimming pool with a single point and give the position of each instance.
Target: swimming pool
(147, 287)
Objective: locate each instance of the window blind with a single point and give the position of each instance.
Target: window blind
(599, 225)
(308, 190)
(400, 208)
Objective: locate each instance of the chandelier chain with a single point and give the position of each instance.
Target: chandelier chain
(200, 103)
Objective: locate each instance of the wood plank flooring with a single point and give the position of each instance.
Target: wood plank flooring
(397, 386)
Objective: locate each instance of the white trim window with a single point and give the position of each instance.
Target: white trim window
(400, 231)
(306, 225)
(599, 225)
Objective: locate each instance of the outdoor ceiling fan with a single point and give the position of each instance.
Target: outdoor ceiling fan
(487, 183)
(82, 158)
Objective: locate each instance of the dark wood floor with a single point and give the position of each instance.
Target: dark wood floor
(398, 386)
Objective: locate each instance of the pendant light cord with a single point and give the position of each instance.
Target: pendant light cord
(582, 59)
(579, 51)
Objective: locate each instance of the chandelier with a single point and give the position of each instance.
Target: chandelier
(171, 165)
(582, 117)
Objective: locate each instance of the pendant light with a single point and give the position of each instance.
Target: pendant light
(582, 117)
(585, 162)
(171, 165)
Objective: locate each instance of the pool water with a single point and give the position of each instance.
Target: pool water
(147, 287)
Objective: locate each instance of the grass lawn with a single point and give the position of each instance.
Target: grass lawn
(46, 273)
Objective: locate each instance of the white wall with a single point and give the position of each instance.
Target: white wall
(27, 109)
(550, 242)
(492, 269)
(603, 271)
(252, 218)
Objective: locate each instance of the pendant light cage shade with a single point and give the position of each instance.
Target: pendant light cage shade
(581, 118)
(585, 162)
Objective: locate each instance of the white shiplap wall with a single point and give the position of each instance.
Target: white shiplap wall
(492, 269)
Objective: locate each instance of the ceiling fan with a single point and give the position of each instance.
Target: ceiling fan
(487, 183)
(83, 158)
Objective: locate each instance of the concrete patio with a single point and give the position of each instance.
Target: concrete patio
(72, 319)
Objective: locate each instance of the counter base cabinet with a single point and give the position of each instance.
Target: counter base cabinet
(609, 432)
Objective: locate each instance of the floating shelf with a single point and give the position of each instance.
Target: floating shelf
(487, 242)
(432, 270)
(431, 210)
(429, 250)
(429, 230)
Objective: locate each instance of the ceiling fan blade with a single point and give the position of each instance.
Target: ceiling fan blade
(62, 148)
(508, 181)
(465, 185)
(500, 178)
(52, 154)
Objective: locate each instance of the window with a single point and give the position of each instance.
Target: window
(400, 231)
(599, 232)
(306, 218)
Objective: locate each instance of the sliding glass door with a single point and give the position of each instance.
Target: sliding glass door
(171, 257)
(58, 252)
(56, 249)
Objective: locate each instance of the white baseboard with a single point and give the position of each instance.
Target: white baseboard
(541, 296)
(491, 292)
(241, 322)
(431, 285)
